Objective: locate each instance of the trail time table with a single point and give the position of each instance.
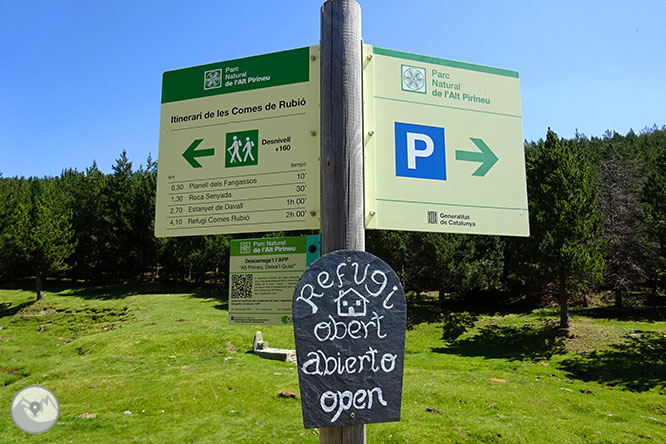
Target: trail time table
(239, 146)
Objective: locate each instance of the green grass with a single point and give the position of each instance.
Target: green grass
(186, 376)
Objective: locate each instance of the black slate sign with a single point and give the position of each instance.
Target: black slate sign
(349, 313)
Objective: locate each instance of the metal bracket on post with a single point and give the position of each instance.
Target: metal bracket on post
(342, 217)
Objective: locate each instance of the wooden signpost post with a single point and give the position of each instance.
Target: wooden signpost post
(341, 155)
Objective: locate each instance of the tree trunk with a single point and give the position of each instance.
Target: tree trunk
(442, 298)
(564, 304)
(618, 298)
(38, 286)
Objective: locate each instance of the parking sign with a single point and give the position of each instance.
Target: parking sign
(444, 150)
(419, 151)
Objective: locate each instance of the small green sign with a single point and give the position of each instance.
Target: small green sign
(242, 149)
(263, 274)
(268, 246)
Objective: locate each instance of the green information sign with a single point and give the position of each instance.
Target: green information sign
(263, 274)
(443, 146)
(239, 146)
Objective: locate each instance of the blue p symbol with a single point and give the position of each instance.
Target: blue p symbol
(419, 151)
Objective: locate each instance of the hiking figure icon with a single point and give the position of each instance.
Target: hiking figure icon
(234, 149)
(243, 148)
(247, 149)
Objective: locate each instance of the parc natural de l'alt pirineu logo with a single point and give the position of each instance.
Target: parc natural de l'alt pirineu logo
(242, 149)
(213, 79)
(413, 79)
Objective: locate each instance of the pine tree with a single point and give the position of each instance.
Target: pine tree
(15, 207)
(143, 243)
(654, 198)
(118, 219)
(619, 198)
(50, 242)
(565, 223)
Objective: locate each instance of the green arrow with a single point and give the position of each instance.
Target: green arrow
(191, 153)
(486, 157)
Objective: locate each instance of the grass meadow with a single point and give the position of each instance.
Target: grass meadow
(145, 364)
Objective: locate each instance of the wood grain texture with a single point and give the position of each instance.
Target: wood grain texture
(342, 220)
(342, 223)
(347, 435)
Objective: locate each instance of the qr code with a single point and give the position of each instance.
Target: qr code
(241, 286)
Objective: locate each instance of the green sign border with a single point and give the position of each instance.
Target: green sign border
(284, 68)
(297, 243)
(445, 62)
(301, 244)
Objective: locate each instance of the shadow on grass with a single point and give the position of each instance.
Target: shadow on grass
(28, 284)
(526, 342)
(425, 308)
(639, 364)
(121, 291)
(422, 308)
(640, 314)
(222, 306)
(109, 292)
(7, 310)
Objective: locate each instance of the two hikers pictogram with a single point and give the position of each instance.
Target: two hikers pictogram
(242, 148)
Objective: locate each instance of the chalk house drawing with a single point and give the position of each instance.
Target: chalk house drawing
(351, 303)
